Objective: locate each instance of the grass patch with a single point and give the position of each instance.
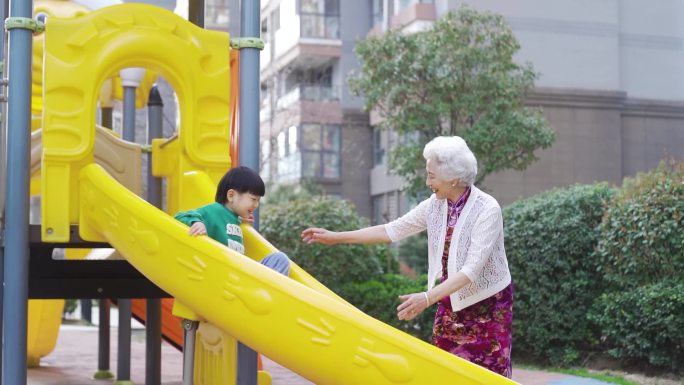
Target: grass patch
(579, 372)
(613, 379)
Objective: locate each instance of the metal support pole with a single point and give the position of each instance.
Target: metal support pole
(103, 371)
(250, 13)
(155, 122)
(196, 12)
(3, 169)
(153, 342)
(129, 114)
(123, 364)
(103, 326)
(17, 208)
(189, 334)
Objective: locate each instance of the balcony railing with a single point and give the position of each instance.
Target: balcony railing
(321, 26)
(312, 92)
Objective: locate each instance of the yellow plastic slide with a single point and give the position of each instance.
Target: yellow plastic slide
(322, 339)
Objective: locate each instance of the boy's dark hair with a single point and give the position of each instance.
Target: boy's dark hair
(241, 179)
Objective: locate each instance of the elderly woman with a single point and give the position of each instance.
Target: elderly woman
(466, 258)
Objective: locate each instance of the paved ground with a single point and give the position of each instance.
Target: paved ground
(74, 361)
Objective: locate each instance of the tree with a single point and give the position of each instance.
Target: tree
(458, 78)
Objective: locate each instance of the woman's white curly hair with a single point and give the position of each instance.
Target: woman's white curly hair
(454, 159)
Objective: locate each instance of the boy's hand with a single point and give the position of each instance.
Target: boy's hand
(249, 219)
(198, 228)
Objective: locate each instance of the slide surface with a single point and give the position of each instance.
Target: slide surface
(321, 338)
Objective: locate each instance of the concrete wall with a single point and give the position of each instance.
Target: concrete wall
(600, 136)
(355, 22)
(634, 46)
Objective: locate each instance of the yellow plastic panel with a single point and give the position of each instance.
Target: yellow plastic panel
(102, 42)
(322, 339)
(44, 318)
(264, 378)
(120, 158)
(53, 9)
(215, 356)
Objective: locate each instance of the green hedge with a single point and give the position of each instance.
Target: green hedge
(334, 266)
(642, 234)
(380, 298)
(644, 323)
(549, 242)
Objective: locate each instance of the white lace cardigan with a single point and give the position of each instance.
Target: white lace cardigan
(477, 244)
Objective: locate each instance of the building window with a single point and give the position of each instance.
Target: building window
(378, 210)
(378, 149)
(289, 157)
(275, 17)
(320, 18)
(320, 6)
(320, 147)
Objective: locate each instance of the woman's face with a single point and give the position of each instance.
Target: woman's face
(441, 187)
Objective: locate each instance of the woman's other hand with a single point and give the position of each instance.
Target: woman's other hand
(318, 235)
(411, 306)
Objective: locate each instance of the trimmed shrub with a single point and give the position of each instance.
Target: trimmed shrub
(644, 323)
(380, 298)
(642, 233)
(334, 266)
(550, 239)
(414, 252)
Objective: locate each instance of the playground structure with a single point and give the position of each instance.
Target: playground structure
(90, 197)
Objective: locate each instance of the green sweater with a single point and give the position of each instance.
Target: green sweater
(222, 224)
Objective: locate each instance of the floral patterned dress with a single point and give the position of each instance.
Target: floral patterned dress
(480, 333)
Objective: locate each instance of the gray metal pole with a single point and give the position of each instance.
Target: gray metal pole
(123, 364)
(249, 88)
(3, 170)
(103, 371)
(250, 13)
(189, 335)
(155, 122)
(129, 114)
(103, 326)
(17, 209)
(196, 12)
(123, 350)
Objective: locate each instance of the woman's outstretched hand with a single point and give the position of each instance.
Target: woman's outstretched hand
(318, 235)
(411, 306)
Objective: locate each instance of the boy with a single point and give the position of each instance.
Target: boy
(237, 196)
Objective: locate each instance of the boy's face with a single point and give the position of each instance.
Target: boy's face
(242, 204)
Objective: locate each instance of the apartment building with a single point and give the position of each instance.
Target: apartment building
(611, 84)
(311, 127)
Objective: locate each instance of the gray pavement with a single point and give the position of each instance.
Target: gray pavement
(74, 361)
